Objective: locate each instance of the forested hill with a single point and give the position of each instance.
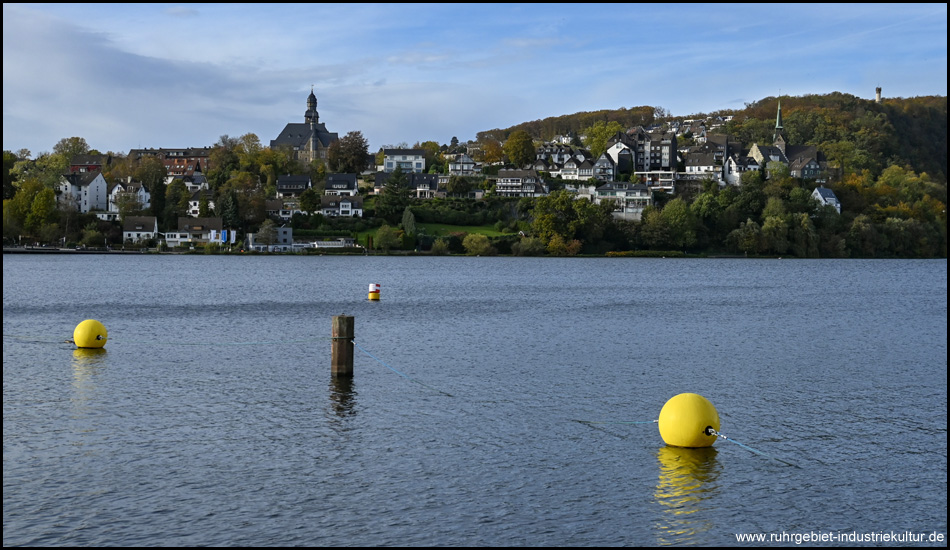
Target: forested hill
(574, 125)
(855, 134)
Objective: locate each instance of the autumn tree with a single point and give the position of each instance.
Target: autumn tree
(492, 151)
(519, 148)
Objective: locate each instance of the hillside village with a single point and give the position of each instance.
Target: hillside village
(637, 169)
(648, 159)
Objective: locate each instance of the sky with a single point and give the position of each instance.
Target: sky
(128, 76)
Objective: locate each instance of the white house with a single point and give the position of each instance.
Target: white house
(736, 165)
(341, 185)
(194, 203)
(131, 191)
(342, 206)
(87, 191)
(409, 160)
(463, 165)
(629, 199)
(519, 183)
(195, 230)
(826, 197)
(139, 228)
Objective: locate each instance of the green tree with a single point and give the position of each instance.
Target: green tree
(409, 222)
(128, 204)
(440, 247)
(528, 246)
(41, 211)
(746, 238)
(152, 173)
(267, 234)
(230, 209)
(774, 234)
(655, 230)
(862, 238)
(69, 148)
(176, 203)
(16, 210)
(9, 159)
(597, 136)
(519, 148)
(395, 197)
(204, 206)
(433, 156)
(348, 154)
(386, 239)
(459, 185)
(92, 237)
(477, 244)
(681, 223)
(804, 237)
(310, 201)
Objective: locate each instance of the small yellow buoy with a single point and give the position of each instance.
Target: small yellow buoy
(684, 420)
(90, 334)
(374, 291)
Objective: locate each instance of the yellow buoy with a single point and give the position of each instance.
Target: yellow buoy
(374, 291)
(684, 420)
(90, 334)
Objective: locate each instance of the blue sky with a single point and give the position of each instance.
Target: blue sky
(126, 76)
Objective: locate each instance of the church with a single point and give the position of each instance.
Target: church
(803, 161)
(308, 140)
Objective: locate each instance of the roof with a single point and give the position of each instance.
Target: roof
(391, 152)
(140, 223)
(199, 224)
(297, 134)
(293, 180)
(341, 181)
(334, 201)
(80, 179)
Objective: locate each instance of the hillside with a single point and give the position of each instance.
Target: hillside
(854, 133)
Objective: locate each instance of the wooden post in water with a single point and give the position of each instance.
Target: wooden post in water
(341, 359)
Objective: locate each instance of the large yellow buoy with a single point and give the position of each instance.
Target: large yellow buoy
(90, 334)
(684, 421)
(374, 291)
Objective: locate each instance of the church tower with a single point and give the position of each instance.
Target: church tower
(312, 117)
(308, 140)
(778, 138)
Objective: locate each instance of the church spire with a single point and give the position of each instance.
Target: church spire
(778, 138)
(312, 117)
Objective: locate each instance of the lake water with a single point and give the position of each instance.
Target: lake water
(495, 402)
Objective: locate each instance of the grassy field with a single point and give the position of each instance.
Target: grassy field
(444, 230)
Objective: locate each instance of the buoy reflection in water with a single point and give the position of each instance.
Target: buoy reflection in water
(688, 477)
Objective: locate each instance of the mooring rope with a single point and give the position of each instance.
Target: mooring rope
(404, 375)
(616, 421)
(711, 431)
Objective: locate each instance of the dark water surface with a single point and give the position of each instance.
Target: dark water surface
(211, 417)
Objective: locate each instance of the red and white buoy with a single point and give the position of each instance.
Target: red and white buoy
(374, 291)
